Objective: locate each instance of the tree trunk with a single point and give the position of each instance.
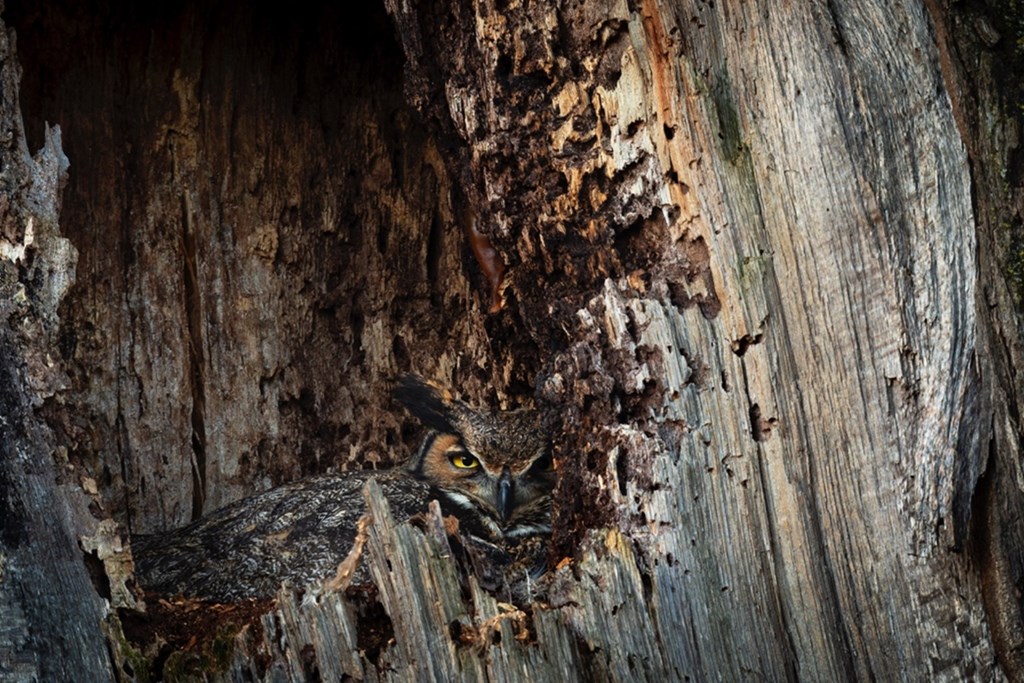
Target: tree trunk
(760, 261)
(49, 615)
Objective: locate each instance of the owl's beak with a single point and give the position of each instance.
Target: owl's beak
(504, 496)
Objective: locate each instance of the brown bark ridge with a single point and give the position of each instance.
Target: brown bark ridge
(760, 261)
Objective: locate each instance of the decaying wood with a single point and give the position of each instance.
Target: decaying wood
(49, 613)
(266, 237)
(784, 321)
(977, 60)
(757, 260)
(443, 634)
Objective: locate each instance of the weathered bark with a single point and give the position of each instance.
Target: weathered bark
(49, 614)
(981, 51)
(762, 260)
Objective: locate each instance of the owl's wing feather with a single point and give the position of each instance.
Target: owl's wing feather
(296, 533)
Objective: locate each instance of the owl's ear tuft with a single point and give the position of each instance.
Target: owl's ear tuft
(428, 403)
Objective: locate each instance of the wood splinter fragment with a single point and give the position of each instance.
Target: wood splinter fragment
(485, 629)
(488, 259)
(347, 568)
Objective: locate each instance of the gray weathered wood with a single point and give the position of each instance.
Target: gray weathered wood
(49, 613)
(601, 624)
(797, 350)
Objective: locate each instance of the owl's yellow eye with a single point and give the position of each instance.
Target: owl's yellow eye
(464, 461)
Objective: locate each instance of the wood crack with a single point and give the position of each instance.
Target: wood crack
(194, 317)
(998, 588)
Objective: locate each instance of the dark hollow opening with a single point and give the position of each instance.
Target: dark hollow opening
(246, 181)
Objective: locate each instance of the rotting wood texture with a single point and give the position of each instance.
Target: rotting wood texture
(765, 380)
(741, 260)
(266, 239)
(49, 614)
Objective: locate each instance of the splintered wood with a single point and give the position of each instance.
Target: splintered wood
(341, 580)
(444, 634)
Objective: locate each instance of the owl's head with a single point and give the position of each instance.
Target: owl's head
(492, 471)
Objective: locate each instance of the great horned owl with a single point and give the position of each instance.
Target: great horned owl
(490, 471)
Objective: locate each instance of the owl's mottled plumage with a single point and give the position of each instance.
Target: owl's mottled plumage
(490, 471)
